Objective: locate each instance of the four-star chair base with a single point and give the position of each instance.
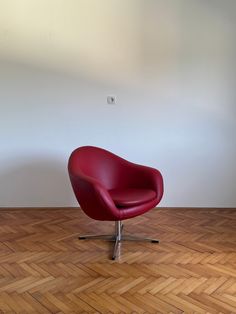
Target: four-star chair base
(118, 237)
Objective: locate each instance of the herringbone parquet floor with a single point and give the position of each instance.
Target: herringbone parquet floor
(44, 268)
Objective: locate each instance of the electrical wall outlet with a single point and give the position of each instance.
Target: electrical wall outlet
(111, 100)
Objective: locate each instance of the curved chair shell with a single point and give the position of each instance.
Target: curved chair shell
(109, 187)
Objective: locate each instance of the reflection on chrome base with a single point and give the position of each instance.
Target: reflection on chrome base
(118, 237)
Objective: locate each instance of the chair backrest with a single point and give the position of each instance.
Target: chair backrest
(102, 165)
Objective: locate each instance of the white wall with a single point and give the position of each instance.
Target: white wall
(171, 64)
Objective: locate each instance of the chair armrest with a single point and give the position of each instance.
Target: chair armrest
(94, 198)
(147, 177)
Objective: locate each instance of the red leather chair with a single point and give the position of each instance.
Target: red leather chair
(110, 188)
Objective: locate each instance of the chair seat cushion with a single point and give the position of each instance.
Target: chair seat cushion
(131, 197)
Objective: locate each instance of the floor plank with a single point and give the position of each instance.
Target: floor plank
(44, 268)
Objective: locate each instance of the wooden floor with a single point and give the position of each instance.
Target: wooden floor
(44, 268)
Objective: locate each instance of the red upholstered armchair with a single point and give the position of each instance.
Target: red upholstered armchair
(110, 188)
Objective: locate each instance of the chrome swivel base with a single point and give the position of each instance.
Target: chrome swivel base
(117, 238)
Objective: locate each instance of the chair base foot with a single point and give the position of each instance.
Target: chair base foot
(97, 237)
(117, 238)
